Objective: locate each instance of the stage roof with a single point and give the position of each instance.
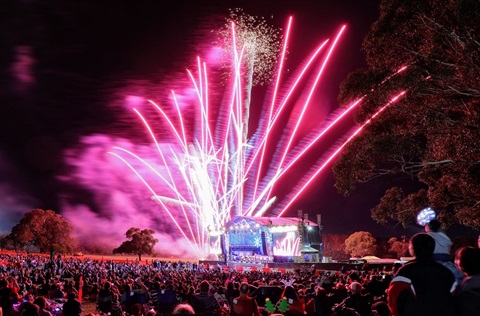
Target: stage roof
(276, 221)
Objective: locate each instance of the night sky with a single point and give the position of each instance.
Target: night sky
(67, 68)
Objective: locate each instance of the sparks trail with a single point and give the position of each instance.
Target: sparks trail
(208, 170)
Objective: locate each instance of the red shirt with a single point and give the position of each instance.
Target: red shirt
(244, 306)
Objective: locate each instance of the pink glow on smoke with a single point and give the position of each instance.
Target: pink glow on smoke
(197, 173)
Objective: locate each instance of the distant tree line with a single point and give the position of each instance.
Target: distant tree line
(50, 233)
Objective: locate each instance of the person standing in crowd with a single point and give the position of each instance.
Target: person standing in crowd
(443, 244)
(166, 299)
(204, 303)
(468, 293)
(104, 298)
(72, 306)
(422, 286)
(244, 305)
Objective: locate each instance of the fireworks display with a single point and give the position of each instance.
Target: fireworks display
(210, 165)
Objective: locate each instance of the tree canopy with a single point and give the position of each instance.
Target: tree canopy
(360, 244)
(46, 230)
(141, 242)
(430, 136)
(399, 247)
(334, 246)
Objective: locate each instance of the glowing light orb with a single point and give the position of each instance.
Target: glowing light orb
(425, 216)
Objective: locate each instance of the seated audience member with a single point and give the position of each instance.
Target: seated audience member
(443, 244)
(360, 303)
(183, 309)
(204, 303)
(72, 306)
(380, 309)
(295, 305)
(468, 293)
(104, 298)
(422, 286)
(244, 305)
(166, 299)
(137, 310)
(30, 309)
(42, 304)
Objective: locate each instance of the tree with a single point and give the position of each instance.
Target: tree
(141, 242)
(334, 246)
(360, 244)
(398, 247)
(431, 136)
(46, 230)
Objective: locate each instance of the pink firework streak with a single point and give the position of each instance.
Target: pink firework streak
(209, 171)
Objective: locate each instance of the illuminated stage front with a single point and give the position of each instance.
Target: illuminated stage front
(259, 240)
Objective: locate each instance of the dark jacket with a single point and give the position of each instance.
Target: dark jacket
(204, 303)
(468, 296)
(72, 307)
(422, 287)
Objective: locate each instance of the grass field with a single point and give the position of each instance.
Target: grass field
(119, 257)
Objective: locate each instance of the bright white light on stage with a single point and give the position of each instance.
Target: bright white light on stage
(425, 216)
(283, 229)
(216, 233)
(309, 228)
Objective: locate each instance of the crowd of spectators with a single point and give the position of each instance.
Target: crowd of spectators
(32, 285)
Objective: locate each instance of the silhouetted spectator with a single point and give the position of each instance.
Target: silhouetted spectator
(244, 305)
(380, 309)
(105, 298)
(30, 309)
(72, 306)
(468, 293)
(204, 303)
(295, 305)
(422, 286)
(183, 309)
(357, 301)
(42, 304)
(167, 299)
